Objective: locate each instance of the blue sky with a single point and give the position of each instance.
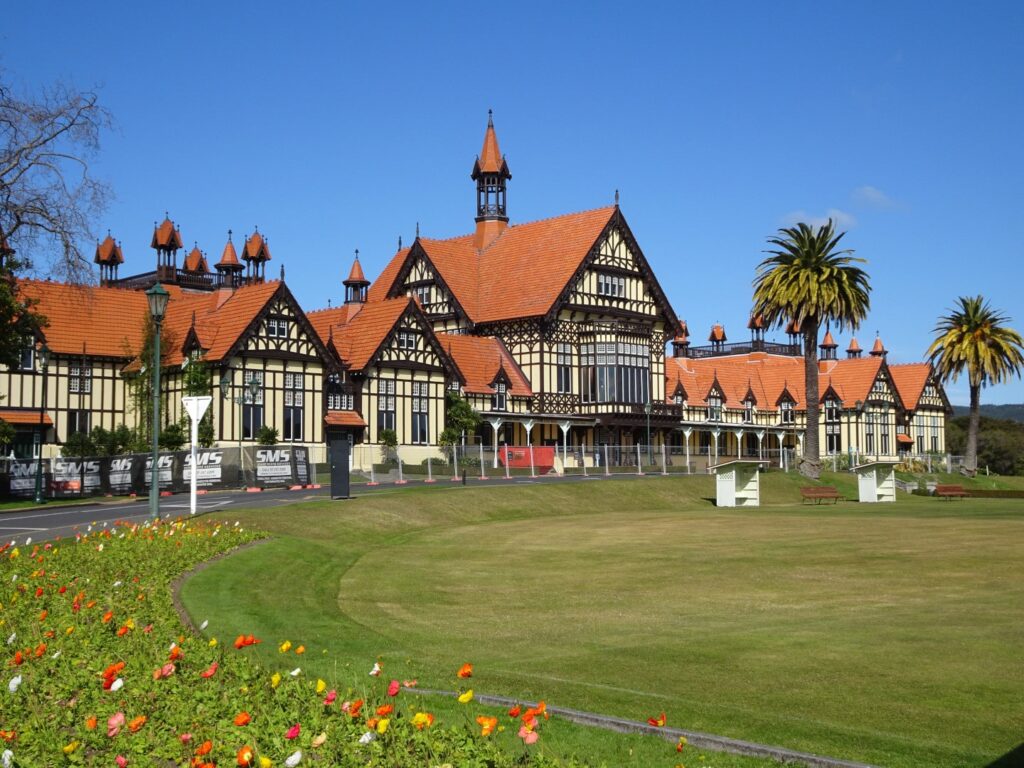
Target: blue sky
(335, 126)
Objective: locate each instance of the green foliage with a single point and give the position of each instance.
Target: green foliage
(267, 435)
(196, 382)
(172, 437)
(19, 323)
(459, 417)
(78, 444)
(6, 435)
(389, 440)
(1000, 443)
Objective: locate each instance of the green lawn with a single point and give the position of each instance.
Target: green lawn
(889, 634)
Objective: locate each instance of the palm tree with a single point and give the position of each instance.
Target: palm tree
(973, 337)
(807, 280)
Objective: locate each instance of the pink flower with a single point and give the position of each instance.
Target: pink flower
(528, 736)
(114, 724)
(393, 688)
(293, 732)
(330, 697)
(121, 761)
(185, 738)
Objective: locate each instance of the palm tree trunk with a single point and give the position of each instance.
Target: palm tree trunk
(971, 459)
(810, 462)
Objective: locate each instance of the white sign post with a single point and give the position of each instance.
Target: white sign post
(196, 408)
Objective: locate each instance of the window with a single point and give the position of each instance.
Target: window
(833, 436)
(788, 414)
(878, 387)
(615, 372)
(252, 406)
(420, 412)
(563, 358)
(80, 379)
(715, 406)
(610, 285)
(385, 405)
(869, 432)
(883, 419)
(498, 399)
(78, 422)
(277, 328)
(294, 395)
(338, 398)
(28, 357)
(407, 339)
(748, 412)
(935, 434)
(677, 398)
(422, 294)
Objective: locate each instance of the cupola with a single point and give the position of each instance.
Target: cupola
(356, 284)
(490, 172)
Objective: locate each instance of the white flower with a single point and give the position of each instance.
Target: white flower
(12, 638)
(367, 737)
(14, 578)
(15, 682)
(204, 625)
(7, 759)
(294, 758)
(118, 583)
(296, 672)
(215, 533)
(171, 648)
(28, 541)
(375, 672)
(117, 685)
(99, 548)
(56, 655)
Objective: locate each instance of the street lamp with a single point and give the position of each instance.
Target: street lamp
(157, 298)
(252, 389)
(44, 360)
(647, 410)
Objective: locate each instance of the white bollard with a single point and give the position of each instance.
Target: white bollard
(483, 474)
(639, 468)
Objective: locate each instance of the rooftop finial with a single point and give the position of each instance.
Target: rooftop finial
(490, 118)
(616, 197)
(399, 242)
(229, 235)
(417, 230)
(357, 254)
(282, 273)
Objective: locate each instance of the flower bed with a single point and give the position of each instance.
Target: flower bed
(98, 670)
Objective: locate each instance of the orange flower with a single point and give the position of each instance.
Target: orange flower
(204, 748)
(385, 710)
(107, 617)
(657, 722)
(43, 615)
(243, 641)
(137, 723)
(354, 708)
(487, 724)
(175, 653)
(300, 650)
(210, 671)
(90, 723)
(242, 718)
(245, 756)
(466, 670)
(514, 712)
(8, 735)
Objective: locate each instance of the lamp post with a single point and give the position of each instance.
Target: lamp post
(251, 389)
(647, 410)
(44, 360)
(157, 298)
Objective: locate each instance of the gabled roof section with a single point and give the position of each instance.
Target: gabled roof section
(108, 252)
(480, 359)
(256, 248)
(229, 258)
(196, 261)
(358, 336)
(910, 379)
(166, 236)
(490, 159)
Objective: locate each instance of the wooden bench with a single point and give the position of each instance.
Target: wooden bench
(820, 493)
(950, 491)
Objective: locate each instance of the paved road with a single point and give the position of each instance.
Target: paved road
(53, 520)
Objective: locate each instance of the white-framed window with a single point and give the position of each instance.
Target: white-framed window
(869, 431)
(499, 400)
(563, 359)
(422, 294)
(294, 400)
(78, 422)
(385, 405)
(278, 328)
(252, 407)
(677, 398)
(748, 412)
(787, 412)
(420, 412)
(611, 285)
(715, 406)
(833, 434)
(28, 357)
(339, 398)
(80, 379)
(407, 339)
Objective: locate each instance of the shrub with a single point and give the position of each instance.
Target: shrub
(267, 435)
(172, 437)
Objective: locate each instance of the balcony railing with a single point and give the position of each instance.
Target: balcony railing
(742, 348)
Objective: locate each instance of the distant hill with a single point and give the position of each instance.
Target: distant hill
(1010, 411)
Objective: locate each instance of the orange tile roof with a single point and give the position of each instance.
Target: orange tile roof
(828, 341)
(196, 261)
(229, 258)
(910, 379)
(166, 236)
(343, 419)
(717, 333)
(22, 417)
(490, 159)
(902, 438)
(356, 274)
(357, 335)
(108, 252)
(854, 346)
(479, 358)
(878, 348)
(256, 248)
(537, 258)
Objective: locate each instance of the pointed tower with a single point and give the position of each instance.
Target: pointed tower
(879, 350)
(681, 343)
(108, 256)
(756, 326)
(229, 267)
(490, 172)
(356, 285)
(717, 337)
(256, 254)
(853, 351)
(828, 346)
(195, 262)
(166, 242)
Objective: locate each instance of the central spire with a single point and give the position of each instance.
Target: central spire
(490, 172)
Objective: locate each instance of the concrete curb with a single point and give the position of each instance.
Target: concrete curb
(696, 739)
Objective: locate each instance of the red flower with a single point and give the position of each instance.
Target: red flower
(242, 718)
(385, 710)
(466, 670)
(293, 732)
(204, 748)
(245, 756)
(514, 712)
(210, 671)
(393, 688)
(657, 722)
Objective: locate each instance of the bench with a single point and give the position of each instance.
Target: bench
(950, 491)
(820, 493)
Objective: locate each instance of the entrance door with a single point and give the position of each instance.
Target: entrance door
(338, 455)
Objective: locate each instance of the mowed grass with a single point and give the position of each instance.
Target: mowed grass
(889, 634)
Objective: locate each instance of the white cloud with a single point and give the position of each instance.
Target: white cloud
(841, 219)
(874, 198)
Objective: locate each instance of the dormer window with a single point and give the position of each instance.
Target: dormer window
(788, 414)
(715, 406)
(407, 339)
(610, 285)
(677, 398)
(28, 357)
(422, 294)
(277, 329)
(499, 401)
(748, 412)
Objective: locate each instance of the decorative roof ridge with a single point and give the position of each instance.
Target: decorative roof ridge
(609, 208)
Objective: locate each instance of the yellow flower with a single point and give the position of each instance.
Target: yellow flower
(321, 686)
(69, 630)
(382, 725)
(69, 748)
(213, 642)
(285, 646)
(466, 697)
(275, 680)
(319, 740)
(265, 762)
(15, 554)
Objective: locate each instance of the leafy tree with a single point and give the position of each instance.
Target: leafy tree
(975, 338)
(1000, 443)
(459, 419)
(172, 437)
(6, 437)
(806, 279)
(19, 323)
(196, 382)
(267, 435)
(78, 444)
(389, 439)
